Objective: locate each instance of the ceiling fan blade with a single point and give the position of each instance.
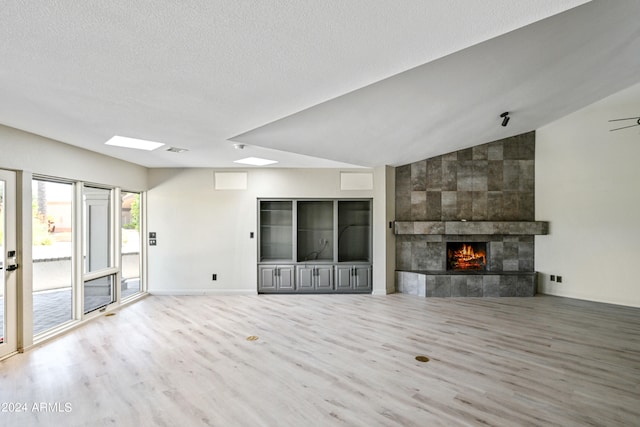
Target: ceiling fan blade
(624, 127)
(629, 118)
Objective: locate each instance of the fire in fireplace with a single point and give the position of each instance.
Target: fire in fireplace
(467, 256)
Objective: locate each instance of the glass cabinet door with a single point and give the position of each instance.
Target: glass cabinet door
(276, 230)
(354, 231)
(315, 230)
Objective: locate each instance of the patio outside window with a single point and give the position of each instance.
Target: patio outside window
(52, 210)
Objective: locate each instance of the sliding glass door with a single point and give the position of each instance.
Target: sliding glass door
(99, 271)
(86, 255)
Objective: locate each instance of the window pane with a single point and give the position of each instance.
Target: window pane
(130, 214)
(98, 293)
(97, 206)
(52, 268)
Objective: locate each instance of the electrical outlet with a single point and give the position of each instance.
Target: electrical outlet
(559, 279)
(553, 278)
(214, 277)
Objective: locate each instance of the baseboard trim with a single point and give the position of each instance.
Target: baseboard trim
(202, 292)
(590, 298)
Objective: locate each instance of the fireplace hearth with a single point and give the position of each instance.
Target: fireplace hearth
(467, 256)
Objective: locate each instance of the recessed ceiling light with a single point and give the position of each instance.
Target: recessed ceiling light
(138, 144)
(255, 161)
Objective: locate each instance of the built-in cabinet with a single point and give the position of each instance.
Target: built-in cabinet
(314, 245)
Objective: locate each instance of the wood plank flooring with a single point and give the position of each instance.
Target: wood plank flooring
(336, 360)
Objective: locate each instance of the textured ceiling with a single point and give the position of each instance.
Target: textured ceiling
(309, 83)
(538, 74)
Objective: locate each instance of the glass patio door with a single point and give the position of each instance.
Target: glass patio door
(99, 270)
(8, 263)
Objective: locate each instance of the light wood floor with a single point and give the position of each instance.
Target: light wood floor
(343, 360)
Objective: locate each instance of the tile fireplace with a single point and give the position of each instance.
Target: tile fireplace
(465, 222)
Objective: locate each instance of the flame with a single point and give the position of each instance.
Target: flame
(467, 258)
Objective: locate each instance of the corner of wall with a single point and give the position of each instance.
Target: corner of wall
(383, 236)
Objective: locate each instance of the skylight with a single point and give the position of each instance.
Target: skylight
(138, 144)
(255, 161)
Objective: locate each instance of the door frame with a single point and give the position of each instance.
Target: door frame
(9, 343)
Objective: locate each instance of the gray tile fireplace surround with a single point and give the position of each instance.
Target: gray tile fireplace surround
(421, 260)
(443, 285)
(481, 194)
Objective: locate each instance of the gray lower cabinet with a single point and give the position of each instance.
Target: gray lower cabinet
(353, 278)
(314, 278)
(276, 278)
(320, 278)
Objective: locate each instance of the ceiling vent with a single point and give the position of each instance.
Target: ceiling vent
(176, 150)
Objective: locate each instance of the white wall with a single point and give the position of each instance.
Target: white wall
(201, 231)
(588, 187)
(28, 152)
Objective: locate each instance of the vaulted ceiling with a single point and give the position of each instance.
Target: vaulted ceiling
(308, 83)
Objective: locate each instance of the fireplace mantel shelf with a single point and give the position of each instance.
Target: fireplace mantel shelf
(470, 273)
(472, 227)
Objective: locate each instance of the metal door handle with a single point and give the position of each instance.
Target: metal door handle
(12, 267)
